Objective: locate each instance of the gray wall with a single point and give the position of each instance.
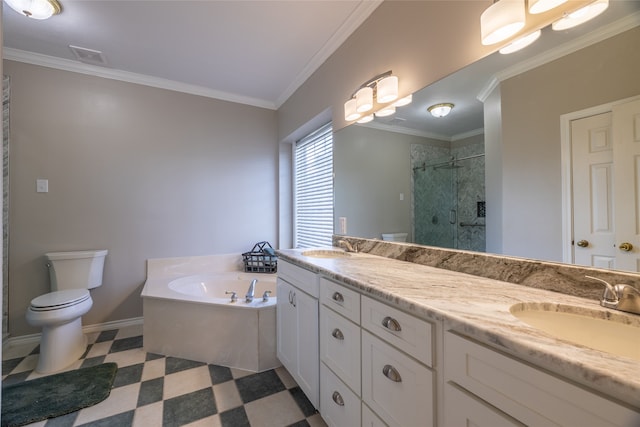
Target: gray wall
(532, 104)
(142, 172)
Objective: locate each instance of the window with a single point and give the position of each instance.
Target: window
(313, 180)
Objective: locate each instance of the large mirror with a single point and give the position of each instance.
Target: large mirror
(488, 177)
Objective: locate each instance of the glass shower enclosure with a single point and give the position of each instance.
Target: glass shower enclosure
(449, 202)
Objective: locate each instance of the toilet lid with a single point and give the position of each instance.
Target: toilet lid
(60, 299)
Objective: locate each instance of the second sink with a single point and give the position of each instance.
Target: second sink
(606, 331)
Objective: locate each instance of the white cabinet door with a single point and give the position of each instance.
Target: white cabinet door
(286, 325)
(339, 406)
(308, 364)
(340, 347)
(463, 409)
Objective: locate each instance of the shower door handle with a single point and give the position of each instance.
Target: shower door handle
(453, 216)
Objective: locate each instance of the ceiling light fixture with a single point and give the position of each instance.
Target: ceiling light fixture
(36, 9)
(380, 90)
(541, 6)
(501, 20)
(521, 43)
(580, 16)
(440, 110)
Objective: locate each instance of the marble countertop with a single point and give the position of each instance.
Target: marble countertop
(479, 308)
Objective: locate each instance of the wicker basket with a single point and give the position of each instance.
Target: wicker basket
(261, 259)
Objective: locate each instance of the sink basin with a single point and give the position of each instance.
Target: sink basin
(326, 253)
(606, 331)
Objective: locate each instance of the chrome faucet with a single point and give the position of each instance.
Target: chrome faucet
(347, 246)
(619, 297)
(251, 291)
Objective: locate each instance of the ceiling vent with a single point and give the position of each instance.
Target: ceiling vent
(88, 56)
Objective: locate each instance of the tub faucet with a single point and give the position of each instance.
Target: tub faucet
(619, 297)
(347, 246)
(251, 291)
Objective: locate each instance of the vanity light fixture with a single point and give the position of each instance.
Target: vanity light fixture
(380, 90)
(580, 16)
(440, 110)
(366, 119)
(35, 9)
(521, 43)
(501, 20)
(541, 6)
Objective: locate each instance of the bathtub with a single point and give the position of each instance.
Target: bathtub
(189, 314)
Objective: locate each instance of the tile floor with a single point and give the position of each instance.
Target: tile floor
(153, 390)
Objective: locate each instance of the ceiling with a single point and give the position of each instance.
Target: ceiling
(253, 52)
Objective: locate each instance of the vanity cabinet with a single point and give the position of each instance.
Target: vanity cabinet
(297, 327)
(398, 384)
(487, 388)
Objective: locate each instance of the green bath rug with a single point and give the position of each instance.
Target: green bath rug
(56, 395)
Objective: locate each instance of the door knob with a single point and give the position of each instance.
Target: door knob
(583, 243)
(626, 247)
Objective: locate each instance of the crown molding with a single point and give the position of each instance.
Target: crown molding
(355, 19)
(125, 76)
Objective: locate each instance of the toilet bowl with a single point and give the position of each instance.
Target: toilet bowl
(59, 313)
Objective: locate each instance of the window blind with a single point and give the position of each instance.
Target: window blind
(314, 189)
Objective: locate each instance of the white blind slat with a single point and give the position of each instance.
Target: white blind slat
(314, 189)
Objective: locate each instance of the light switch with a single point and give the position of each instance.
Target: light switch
(401, 196)
(343, 224)
(42, 185)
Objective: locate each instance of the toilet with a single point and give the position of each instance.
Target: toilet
(59, 313)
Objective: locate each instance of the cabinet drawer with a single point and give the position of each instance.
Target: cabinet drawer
(396, 387)
(464, 409)
(408, 333)
(370, 419)
(302, 279)
(339, 406)
(343, 300)
(529, 395)
(340, 347)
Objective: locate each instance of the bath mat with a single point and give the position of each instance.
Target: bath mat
(56, 395)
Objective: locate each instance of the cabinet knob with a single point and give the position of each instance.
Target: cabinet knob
(337, 297)
(337, 397)
(392, 373)
(337, 334)
(391, 324)
(627, 247)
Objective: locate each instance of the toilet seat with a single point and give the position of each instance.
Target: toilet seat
(59, 299)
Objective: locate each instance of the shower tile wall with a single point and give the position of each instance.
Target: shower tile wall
(433, 196)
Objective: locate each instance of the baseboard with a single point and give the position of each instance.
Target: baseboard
(89, 329)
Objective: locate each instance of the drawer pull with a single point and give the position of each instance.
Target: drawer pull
(337, 297)
(337, 398)
(337, 334)
(391, 323)
(391, 373)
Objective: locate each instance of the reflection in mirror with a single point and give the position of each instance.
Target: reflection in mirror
(406, 174)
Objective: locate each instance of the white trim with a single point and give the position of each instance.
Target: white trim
(421, 133)
(35, 338)
(125, 76)
(565, 162)
(468, 134)
(603, 33)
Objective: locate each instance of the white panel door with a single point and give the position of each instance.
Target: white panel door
(626, 155)
(593, 216)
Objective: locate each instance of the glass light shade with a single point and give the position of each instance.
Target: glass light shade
(440, 110)
(387, 89)
(541, 6)
(366, 119)
(521, 43)
(386, 111)
(501, 20)
(36, 9)
(364, 99)
(350, 112)
(581, 15)
(403, 101)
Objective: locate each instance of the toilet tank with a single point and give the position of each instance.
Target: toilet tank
(75, 270)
